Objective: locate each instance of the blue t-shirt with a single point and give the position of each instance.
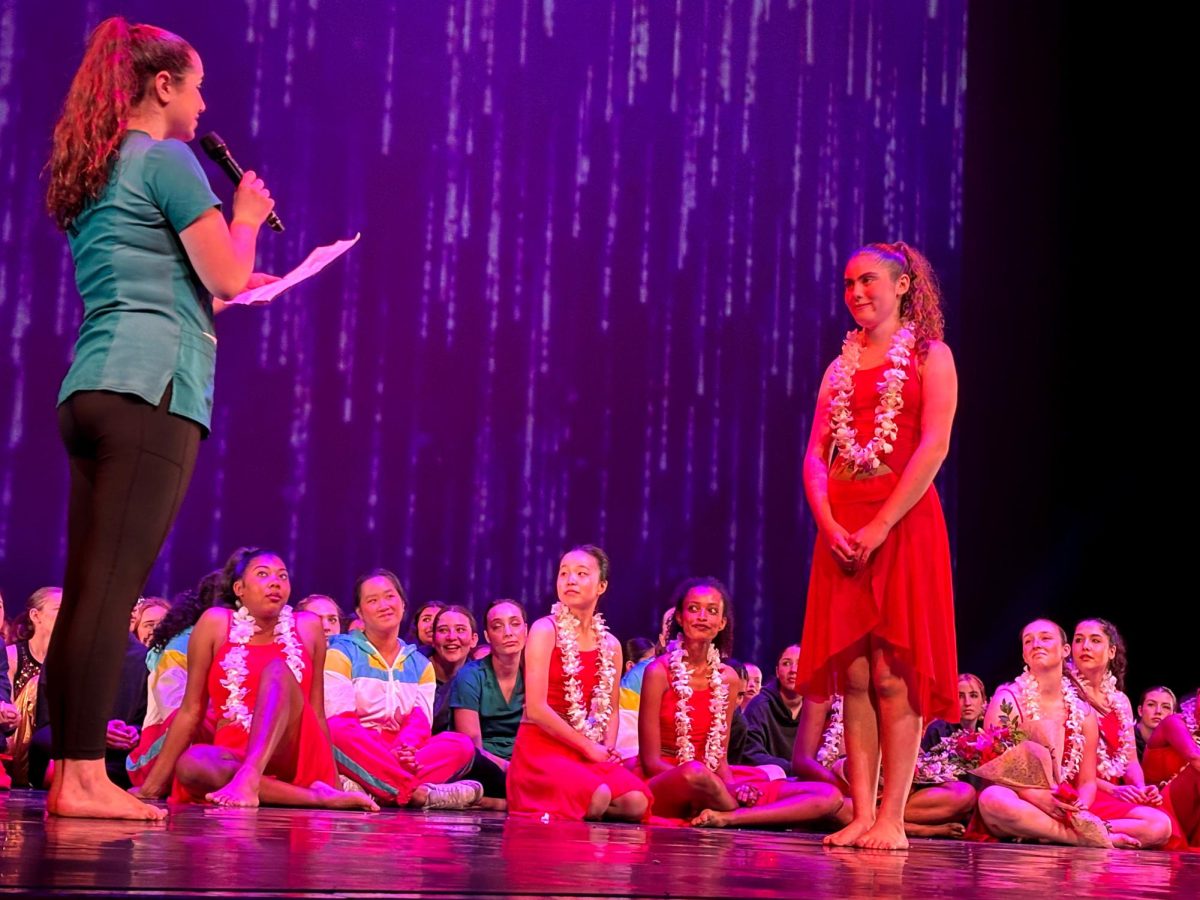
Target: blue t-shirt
(476, 687)
(147, 319)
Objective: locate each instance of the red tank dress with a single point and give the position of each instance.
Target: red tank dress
(309, 759)
(548, 777)
(904, 594)
(701, 715)
(1181, 793)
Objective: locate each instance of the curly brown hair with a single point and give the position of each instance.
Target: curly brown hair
(921, 304)
(118, 66)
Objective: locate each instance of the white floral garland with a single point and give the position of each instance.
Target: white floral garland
(718, 704)
(595, 724)
(833, 746)
(1187, 712)
(1112, 767)
(241, 629)
(1027, 683)
(891, 401)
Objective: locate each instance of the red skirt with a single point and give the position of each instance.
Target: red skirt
(903, 596)
(310, 758)
(546, 777)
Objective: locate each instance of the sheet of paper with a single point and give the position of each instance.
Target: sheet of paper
(313, 263)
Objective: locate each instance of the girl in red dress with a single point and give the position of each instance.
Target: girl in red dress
(260, 667)
(1172, 759)
(879, 623)
(1047, 695)
(687, 704)
(564, 764)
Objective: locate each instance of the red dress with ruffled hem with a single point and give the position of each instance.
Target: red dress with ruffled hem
(904, 594)
(309, 759)
(548, 777)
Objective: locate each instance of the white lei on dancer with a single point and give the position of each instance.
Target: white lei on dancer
(241, 629)
(1076, 708)
(1112, 767)
(718, 704)
(841, 417)
(591, 724)
(833, 745)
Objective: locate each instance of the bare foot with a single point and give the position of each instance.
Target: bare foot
(1124, 841)
(327, 797)
(82, 791)
(883, 835)
(952, 830)
(848, 835)
(241, 791)
(713, 818)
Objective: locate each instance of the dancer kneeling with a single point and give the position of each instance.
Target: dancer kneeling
(379, 695)
(257, 667)
(564, 763)
(1046, 702)
(683, 728)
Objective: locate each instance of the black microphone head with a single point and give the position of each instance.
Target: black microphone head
(213, 146)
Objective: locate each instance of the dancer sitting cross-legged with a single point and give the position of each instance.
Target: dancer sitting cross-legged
(683, 727)
(257, 666)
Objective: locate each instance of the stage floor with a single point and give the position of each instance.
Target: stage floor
(202, 851)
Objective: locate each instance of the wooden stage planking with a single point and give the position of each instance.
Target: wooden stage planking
(202, 851)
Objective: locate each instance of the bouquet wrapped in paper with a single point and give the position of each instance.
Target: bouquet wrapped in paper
(962, 753)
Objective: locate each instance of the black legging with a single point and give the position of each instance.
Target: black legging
(130, 466)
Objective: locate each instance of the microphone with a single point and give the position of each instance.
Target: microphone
(216, 150)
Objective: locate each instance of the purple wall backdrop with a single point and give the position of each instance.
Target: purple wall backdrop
(598, 282)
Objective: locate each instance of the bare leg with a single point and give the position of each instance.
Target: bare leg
(688, 788)
(1144, 827)
(799, 801)
(599, 804)
(1007, 815)
(901, 732)
(276, 726)
(938, 811)
(631, 807)
(862, 750)
(81, 789)
(205, 769)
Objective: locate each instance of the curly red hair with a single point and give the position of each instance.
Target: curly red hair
(118, 66)
(922, 303)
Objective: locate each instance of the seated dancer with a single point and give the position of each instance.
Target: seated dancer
(25, 656)
(771, 717)
(1157, 703)
(379, 697)
(737, 725)
(564, 763)
(754, 683)
(1045, 693)
(1098, 663)
(638, 650)
(931, 810)
(455, 635)
(972, 701)
(147, 614)
(1173, 759)
(167, 665)
(260, 667)
(326, 609)
(488, 698)
(421, 633)
(683, 726)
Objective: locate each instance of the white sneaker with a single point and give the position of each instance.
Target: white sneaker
(455, 795)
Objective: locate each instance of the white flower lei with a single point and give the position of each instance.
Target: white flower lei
(833, 745)
(841, 417)
(1187, 712)
(241, 629)
(595, 725)
(1027, 683)
(718, 704)
(1111, 768)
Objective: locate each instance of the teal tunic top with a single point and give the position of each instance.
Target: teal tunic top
(476, 687)
(147, 319)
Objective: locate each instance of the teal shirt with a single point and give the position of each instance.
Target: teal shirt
(147, 319)
(475, 687)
